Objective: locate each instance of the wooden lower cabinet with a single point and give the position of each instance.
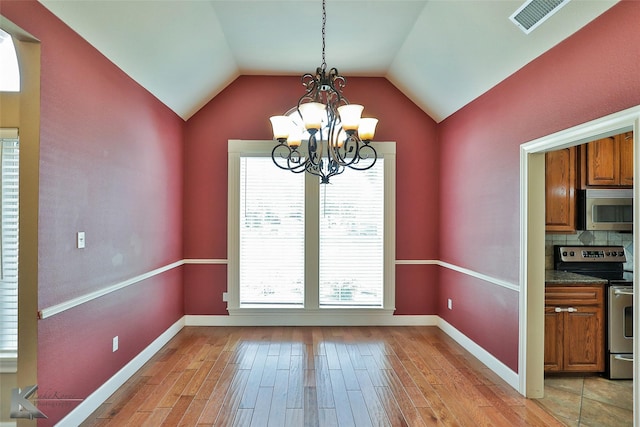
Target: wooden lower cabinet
(574, 329)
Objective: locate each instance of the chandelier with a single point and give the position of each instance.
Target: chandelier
(337, 137)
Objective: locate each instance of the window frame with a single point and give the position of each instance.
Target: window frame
(312, 313)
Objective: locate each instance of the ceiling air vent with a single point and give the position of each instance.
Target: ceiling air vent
(534, 12)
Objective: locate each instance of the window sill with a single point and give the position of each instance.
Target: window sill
(345, 316)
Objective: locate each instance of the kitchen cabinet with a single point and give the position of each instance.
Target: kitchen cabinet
(609, 161)
(574, 328)
(560, 190)
(625, 142)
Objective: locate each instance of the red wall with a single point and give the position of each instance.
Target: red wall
(242, 111)
(110, 165)
(589, 75)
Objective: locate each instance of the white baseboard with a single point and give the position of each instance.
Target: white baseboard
(274, 319)
(502, 370)
(97, 398)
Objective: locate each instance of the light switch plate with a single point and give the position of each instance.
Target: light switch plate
(115, 343)
(80, 240)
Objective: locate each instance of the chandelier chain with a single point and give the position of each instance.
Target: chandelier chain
(324, 23)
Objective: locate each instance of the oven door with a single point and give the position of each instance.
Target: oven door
(620, 331)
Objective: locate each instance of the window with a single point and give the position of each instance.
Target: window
(271, 234)
(9, 72)
(352, 240)
(9, 191)
(298, 245)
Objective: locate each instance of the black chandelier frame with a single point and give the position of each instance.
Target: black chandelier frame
(344, 148)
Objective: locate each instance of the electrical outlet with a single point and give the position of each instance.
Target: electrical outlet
(115, 343)
(80, 239)
(449, 304)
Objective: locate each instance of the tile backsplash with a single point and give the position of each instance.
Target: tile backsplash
(589, 238)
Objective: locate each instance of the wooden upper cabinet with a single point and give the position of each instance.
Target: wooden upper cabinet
(625, 142)
(609, 161)
(560, 189)
(603, 162)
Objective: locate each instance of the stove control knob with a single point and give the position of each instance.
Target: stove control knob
(620, 253)
(572, 253)
(564, 253)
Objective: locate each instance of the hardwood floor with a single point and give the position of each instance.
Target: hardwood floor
(316, 376)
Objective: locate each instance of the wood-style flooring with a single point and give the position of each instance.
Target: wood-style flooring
(316, 376)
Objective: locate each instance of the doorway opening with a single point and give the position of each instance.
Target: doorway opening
(532, 240)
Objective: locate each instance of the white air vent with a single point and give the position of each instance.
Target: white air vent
(534, 12)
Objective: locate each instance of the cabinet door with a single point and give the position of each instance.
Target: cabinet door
(560, 188)
(625, 142)
(603, 164)
(583, 340)
(553, 342)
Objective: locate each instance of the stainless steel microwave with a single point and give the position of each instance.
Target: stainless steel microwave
(607, 209)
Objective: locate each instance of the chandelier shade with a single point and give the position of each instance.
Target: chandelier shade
(337, 136)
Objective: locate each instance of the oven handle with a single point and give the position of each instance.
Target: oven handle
(626, 359)
(618, 292)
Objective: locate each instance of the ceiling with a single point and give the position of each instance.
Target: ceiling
(442, 54)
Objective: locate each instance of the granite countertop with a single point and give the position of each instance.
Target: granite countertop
(555, 277)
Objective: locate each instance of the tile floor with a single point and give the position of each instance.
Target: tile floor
(589, 401)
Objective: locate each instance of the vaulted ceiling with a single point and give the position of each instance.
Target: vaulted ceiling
(442, 54)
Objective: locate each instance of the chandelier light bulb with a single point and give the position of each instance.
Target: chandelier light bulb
(312, 113)
(350, 116)
(282, 126)
(367, 128)
(339, 138)
(295, 138)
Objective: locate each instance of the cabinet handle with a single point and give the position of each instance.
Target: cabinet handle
(568, 309)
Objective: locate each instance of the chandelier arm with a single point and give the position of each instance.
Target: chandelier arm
(315, 150)
(371, 155)
(294, 161)
(349, 146)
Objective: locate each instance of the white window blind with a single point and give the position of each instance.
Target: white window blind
(271, 234)
(352, 239)
(9, 188)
